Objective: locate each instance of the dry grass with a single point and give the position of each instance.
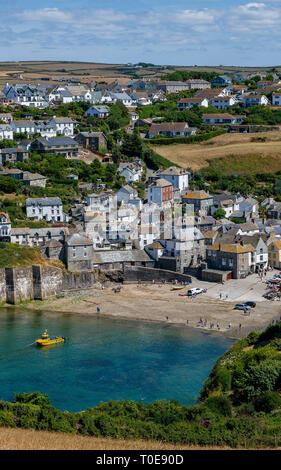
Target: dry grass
(29, 439)
(26, 439)
(197, 156)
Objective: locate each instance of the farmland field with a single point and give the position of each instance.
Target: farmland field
(240, 154)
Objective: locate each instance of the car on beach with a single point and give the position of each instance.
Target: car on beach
(194, 291)
(250, 304)
(241, 306)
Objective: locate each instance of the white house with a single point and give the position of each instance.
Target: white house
(222, 102)
(25, 95)
(276, 99)
(255, 100)
(23, 126)
(131, 171)
(6, 132)
(188, 103)
(100, 112)
(178, 177)
(5, 225)
(48, 208)
(223, 118)
(64, 125)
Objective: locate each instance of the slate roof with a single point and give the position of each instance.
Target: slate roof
(118, 256)
(44, 201)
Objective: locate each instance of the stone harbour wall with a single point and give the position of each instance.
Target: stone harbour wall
(40, 282)
(140, 273)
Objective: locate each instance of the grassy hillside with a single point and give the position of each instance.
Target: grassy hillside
(240, 406)
(14, 256)
(228, 147)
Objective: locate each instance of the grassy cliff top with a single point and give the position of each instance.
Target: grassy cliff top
(16, 256)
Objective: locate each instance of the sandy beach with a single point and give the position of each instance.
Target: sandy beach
(159, 303)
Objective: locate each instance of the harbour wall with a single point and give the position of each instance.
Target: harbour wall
(40, 282)
(141, 273)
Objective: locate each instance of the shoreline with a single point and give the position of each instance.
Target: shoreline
(150, 304)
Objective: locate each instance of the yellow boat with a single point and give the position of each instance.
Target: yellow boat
(178, 287)
(47, 340)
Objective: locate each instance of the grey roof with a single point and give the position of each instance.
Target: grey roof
(43, 232)
(78, 239)
(62, 120)
(58, 141)
(43, 201)
(119, 256)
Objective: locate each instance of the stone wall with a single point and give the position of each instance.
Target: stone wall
(19, 284)
(84, 280)
(2, 286)
(47, 281)
(139, 273)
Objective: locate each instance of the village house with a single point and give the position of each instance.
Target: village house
(238, 258)
(178, 177)
(6, 118)
(99, 112)
(23, 127)
(188, 103)
(6, 132)
(48, 208)
(200, 200)
(38, 236)
(160, 191)
(45, 129)
(274, 254)
(126, 193)
(221, 80)
(223, 118)
(120, 259)
(5, 227)
(131, 171)
(172, 86)
(13, 155)
(65, 146)
(198, 84)
(64, 125)
(78, 253)
(222, 102)
(276, 99)
(25, 95)
(25, 177)
(91, 140)
(255, 100)
(260, 246)
(171, 129)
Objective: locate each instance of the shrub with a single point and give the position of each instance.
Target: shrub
(220, 405)
(268, 401)
(7, 419)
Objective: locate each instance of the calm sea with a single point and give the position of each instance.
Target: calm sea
(103, 359)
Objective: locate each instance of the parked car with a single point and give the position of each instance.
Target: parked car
(241, 306)
(250, 304)
(195, 290)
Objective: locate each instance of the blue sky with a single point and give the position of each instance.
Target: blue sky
(178, 32)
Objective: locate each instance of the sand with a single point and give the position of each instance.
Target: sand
(159, 303)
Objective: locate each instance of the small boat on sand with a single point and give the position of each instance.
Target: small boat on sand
(178, 287)
(47, 340)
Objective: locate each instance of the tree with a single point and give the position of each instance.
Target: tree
(219, 214)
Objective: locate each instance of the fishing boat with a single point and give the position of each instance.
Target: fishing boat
(178, 287)
(47, 340)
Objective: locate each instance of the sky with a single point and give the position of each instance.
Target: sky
(177, 32)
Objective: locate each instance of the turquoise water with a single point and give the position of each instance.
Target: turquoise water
(103, 359)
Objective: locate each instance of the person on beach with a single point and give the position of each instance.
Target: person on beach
(187, 322)
(167, 318)
(98, 309)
